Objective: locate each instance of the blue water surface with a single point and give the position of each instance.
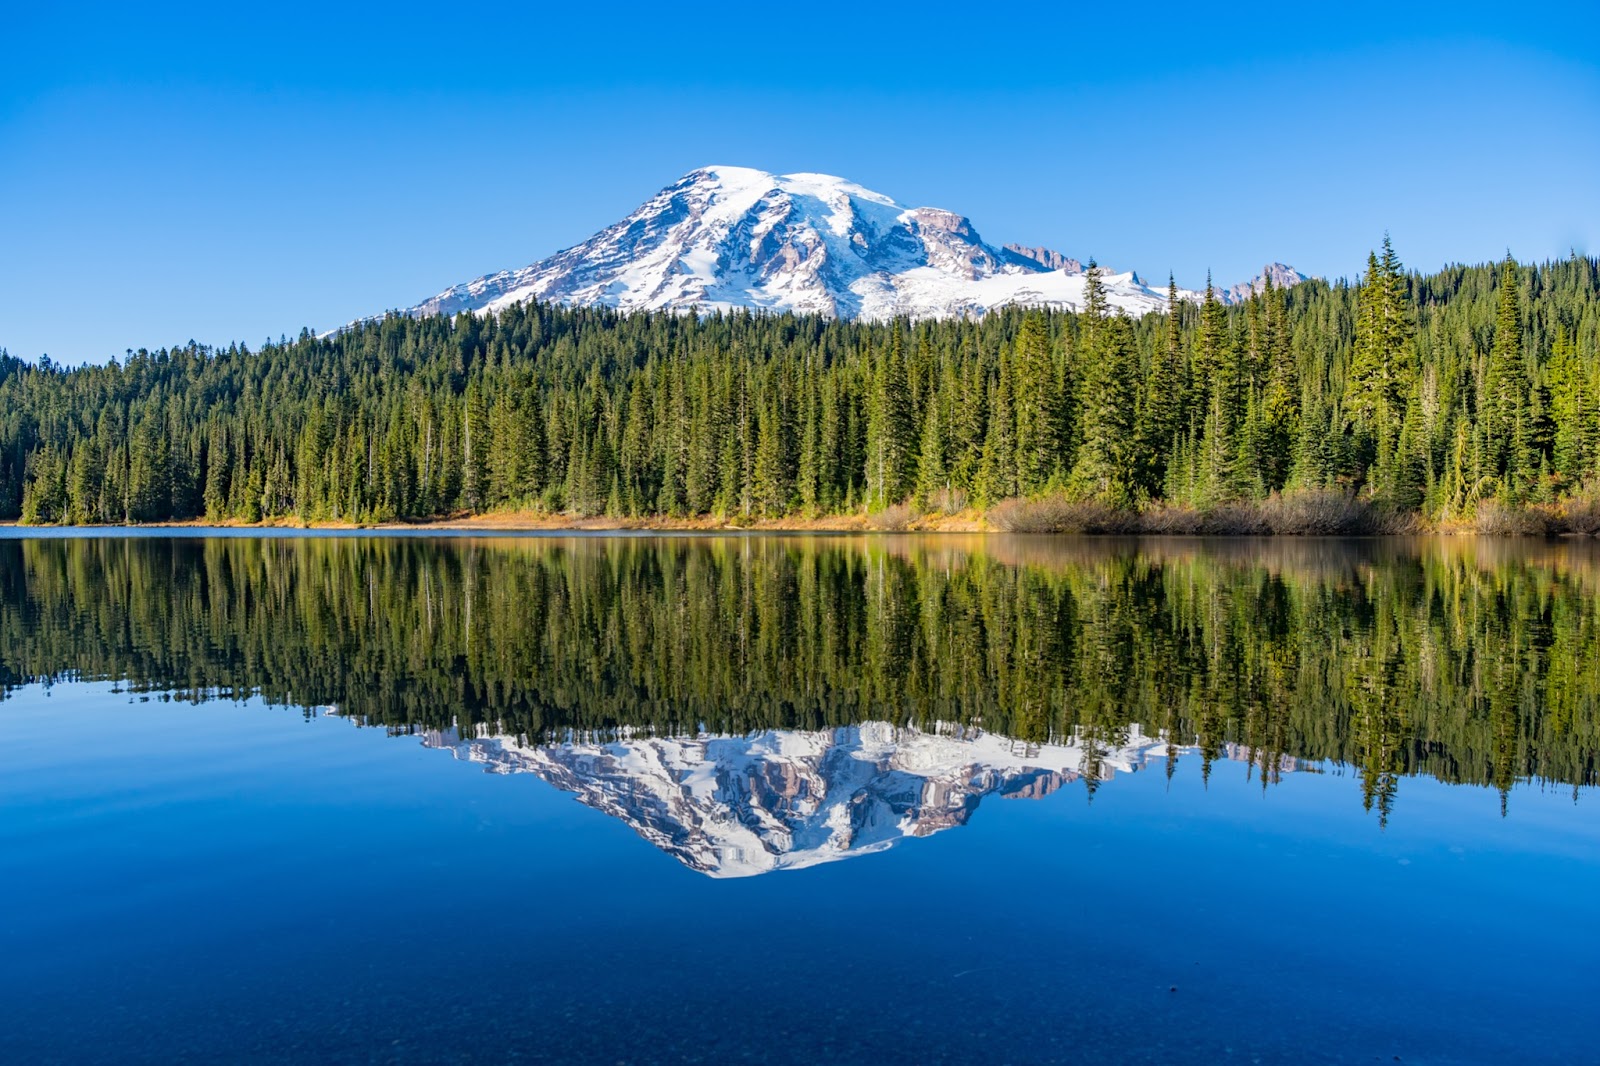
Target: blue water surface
(231, 881)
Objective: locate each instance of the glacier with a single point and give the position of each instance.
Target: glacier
(726, 238)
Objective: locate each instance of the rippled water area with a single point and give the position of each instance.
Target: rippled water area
(887, 799)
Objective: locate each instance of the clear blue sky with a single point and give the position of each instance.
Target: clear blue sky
(201, 172)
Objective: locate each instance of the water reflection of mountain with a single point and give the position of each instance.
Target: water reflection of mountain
(734, 806)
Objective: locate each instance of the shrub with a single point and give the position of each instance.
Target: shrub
(947, 501)
(1234, 519)
(1310, 513)
(1581, 513)
(1058, 514)
(1496, 519)
(1171, 519)
(1319, 513)
(892, 519)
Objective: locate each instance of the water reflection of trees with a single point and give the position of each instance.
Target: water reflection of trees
(1466, 660)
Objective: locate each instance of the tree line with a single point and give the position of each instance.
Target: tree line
(1424, 394)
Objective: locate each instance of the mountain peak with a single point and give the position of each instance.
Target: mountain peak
(728, 237)
(1282, 276)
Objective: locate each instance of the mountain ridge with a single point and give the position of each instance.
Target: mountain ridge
(727, 238)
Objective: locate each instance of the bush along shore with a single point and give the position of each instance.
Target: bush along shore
(1307, 513)
(1465, 399)
(1310, 512)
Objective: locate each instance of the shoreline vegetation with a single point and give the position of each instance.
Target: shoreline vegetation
(1307, 513)
(1466, 400)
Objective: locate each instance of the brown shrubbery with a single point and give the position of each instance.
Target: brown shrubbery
(947, 501)
(1582, 516)
(1307, 513)
(1580, 513)
(1326, 513)
(1058, 514)
(892, 519)
(1496, 519)
(1310, 513)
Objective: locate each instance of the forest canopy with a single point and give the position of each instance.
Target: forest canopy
(1420, 394)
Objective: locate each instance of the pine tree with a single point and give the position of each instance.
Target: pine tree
(1038, 421)
(709, 427)
(1216, 458)
(1281, 398)
(830, 455)
(997, 473)
(891, 443)
(635, 457)
(1094, 302)
(1380, 370)
(1161, 412)
(808, 476)
(1210, 363)
(969, 420)
(475, 449)
(933, 479)
(1107, 465)
(771, 492)
(1507, 403)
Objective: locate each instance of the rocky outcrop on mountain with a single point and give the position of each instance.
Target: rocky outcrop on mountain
(1282, 276)
(1046, 258)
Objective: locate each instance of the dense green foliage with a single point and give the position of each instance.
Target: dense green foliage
(1469, 661)
(1421, 393)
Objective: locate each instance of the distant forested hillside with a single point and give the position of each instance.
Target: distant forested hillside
(1424, 394)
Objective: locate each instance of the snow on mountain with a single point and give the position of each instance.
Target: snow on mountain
(722, 238)
(735, 806)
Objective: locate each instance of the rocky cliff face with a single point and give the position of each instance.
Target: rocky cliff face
(783, 799)
(726, 238)
(1046, 258)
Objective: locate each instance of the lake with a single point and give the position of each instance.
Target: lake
(629, 798)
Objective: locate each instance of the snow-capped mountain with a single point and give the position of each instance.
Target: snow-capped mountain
(722, 238)
(735, 806)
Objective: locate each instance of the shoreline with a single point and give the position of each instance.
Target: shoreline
(1299, 514)
(542, 522)
(963, 523)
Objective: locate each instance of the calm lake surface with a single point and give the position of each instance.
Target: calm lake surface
(779, 798)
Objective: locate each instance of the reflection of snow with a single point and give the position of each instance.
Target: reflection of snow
(784, 799)
(1268, 761)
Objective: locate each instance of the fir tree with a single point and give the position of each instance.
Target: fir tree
(1038, 422)
(1107, 463)
(1507, 386)
(891, 443)
(997, 474)
(1380, 372)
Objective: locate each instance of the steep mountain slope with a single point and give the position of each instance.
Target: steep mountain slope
(730, 237)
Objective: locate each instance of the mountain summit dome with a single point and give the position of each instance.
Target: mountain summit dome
(723, 238)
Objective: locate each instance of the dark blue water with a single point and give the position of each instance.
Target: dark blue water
(235, 881)
(184, 883)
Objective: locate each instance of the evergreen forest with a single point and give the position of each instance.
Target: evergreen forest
(1420, 395)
